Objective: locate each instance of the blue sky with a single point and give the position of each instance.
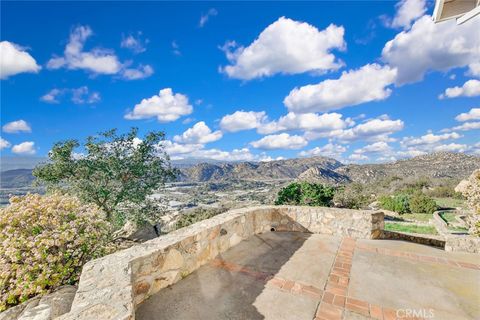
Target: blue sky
(358, 81)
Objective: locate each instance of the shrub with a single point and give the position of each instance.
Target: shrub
(196, 215)
(45, 242)
(421, 203)
(305, 193)
(351, 196)
(398, 203)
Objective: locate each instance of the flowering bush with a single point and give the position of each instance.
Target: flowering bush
(45, 241)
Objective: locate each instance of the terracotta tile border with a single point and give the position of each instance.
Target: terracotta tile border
(334, 299)
(417, 257)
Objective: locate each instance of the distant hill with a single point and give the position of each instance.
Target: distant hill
(16, 178)
(316, 169)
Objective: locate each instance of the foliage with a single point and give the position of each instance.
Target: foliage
(398, 203)
(45, 242)
(410, 228)
(351, 196)
(197, 215)
(444, 191)
(421, 203)
(305, 193)
(117, 170)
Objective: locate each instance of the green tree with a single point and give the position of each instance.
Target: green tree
(117, 171)
(305, 193)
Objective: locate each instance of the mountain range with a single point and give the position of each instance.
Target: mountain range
(315, 169)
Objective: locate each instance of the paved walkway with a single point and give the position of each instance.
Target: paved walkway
(288, 275)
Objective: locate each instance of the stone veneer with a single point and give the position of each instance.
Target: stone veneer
(111, 287)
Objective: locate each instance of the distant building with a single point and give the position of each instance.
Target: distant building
(462, 10)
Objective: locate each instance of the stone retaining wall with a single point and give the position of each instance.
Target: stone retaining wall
(438, 242)
(463, 244)
(111, 287)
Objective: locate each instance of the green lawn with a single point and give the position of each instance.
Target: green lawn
(450, 202)
(400, 227)
(448, 216)
(422, 217)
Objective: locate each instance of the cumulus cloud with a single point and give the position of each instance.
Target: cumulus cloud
(17, 126)
(329, 150)
(378, 129)
(407, 12)
(97, 60)
(474, 69)
(473, 114)
(369, 83)
(286, 46)
(135, 43)
(242, 120)
(280, 141)
(81, 95)
(377, 147)
(428, 46)
(175, 149)
(429, 138)
(471, 88)
(166, 107)
(24, 148)
(358, 157)
(212, 12)
(4, 143)
(200, 133)
(14, 59)
(452, 147)
(467, 126)
(306, 121)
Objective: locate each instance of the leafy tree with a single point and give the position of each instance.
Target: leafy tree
(117, 170)
(398, 203)
(305, 193)
(421, 203)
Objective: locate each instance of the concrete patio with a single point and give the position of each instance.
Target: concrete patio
(295, 275)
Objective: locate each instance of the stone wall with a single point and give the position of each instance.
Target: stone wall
(469, 244)
(111, 287)
(434, 241)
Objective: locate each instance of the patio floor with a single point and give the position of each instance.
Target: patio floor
(290, 275)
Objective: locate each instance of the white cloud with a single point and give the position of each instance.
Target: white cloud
(329, 150)
(452, 147)
(410, 152)
(358, 157)
(14, 60)
(306, 121)
(4, 143)
(242, 120)
(471, 88)
(430, 46)
(100, 61)
(17, 126)
(243, 154)
(378, 129)
(467, 126)
(134, 43)
(286, 46)
(141, 72)
(174, 149)
(473, 114)
(376, 147)
(96, 61)
(165, 106)
(369, 83)
(212, 12)
(429, 138)
(474, 69)
(280, 141)
(81, 95)
(27, 148)
(200, 133)
(407, 12)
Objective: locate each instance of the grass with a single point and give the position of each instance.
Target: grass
(422, 217)
(410, 228)
(448, 216)
(450, 202)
